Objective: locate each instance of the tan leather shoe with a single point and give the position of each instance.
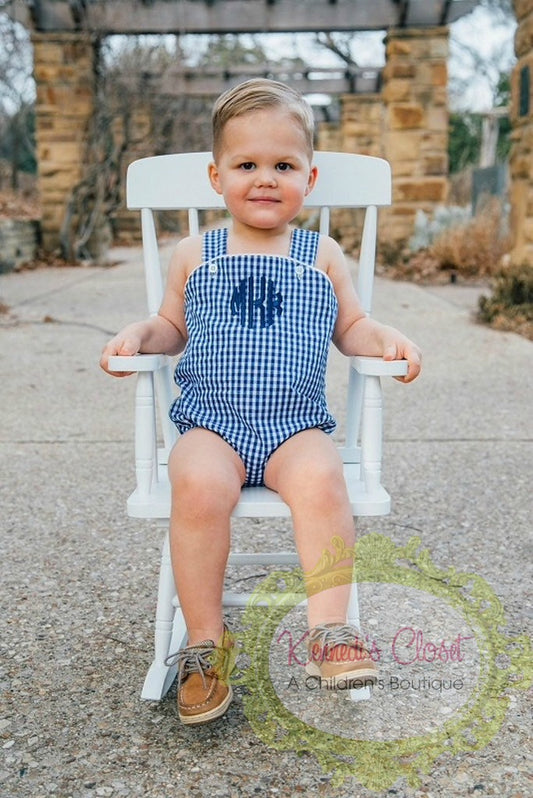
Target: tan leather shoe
(339, 658)
(204, 692)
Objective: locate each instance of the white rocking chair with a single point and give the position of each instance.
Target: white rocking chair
(171, 182)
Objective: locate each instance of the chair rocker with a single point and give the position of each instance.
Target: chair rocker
(180, 182)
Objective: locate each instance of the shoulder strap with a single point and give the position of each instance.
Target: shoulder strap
(214, 243)
(304, 245)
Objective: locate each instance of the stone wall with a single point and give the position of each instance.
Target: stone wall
(64, 71)
(360, 130)
(19, 240)
(521, 161)
(415, 138)
(127, 224)
(362, 124)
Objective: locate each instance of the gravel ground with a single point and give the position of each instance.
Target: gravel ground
(79, 578)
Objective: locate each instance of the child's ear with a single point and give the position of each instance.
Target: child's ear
(214, 177)
(313, 175)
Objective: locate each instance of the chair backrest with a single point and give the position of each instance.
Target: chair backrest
(180, 182)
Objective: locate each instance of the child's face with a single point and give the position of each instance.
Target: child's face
(263, 169)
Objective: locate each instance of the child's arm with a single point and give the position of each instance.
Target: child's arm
(355, 333)
(164, 333)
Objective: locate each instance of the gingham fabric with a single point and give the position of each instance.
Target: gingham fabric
(259, 329)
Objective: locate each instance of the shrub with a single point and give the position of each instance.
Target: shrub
(427, 230)
(511, 305)
(451, 244)
(474, 247)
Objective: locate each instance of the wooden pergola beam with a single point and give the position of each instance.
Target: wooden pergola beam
(106, 17)
(212, 82)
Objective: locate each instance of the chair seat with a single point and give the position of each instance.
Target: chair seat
(260, 502)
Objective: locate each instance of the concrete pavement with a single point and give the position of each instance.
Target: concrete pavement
(79, 578)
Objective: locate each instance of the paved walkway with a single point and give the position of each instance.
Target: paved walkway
(78, 578)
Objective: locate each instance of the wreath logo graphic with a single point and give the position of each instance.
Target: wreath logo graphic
(504, 664)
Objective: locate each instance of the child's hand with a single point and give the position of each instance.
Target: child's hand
(122, 344)
(398, 347)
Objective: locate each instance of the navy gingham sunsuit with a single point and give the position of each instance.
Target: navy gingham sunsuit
(259, 329)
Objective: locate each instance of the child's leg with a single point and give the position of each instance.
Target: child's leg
(206, 476)
(306, 470)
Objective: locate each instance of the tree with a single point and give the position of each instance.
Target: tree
(502, 7)
(464, 141)
(479, 63)
(225, 51)
(466, 131)
(131, 85)
(17, 95)
(502, 99)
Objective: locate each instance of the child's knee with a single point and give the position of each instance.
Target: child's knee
(204, 474)
(320, 483)
(207, 491)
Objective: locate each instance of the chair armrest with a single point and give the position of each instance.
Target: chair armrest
(377, 367)
(138, 362)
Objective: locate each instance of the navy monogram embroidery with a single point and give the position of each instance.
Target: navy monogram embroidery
(256, 302)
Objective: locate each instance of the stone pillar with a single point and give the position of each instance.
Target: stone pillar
(64, 69)
(362, 124)
(521, 159)
(361, 131)
(328, 137)
(136, 132)
(415, 80)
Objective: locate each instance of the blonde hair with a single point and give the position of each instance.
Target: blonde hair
(254, 95)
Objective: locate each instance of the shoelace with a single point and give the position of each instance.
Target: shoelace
(193, 659)
(330, 636)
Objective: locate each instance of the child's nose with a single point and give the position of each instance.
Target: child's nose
(265, 177)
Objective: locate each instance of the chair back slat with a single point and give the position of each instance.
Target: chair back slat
(180, 181)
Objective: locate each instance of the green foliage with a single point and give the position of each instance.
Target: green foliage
(504, 139)
(464, 144)
(502, 98)
(464, 141)
(512, 286)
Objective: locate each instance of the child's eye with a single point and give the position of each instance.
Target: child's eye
(283, 166)
(247, 166)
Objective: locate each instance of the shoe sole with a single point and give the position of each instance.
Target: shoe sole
(351, 680)
(212, 714)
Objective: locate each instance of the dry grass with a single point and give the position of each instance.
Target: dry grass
(476, 248)
(472, 251)
(23, 203)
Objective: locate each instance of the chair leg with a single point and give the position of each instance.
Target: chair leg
(160, 676)
(171, 634)
(364, 693)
